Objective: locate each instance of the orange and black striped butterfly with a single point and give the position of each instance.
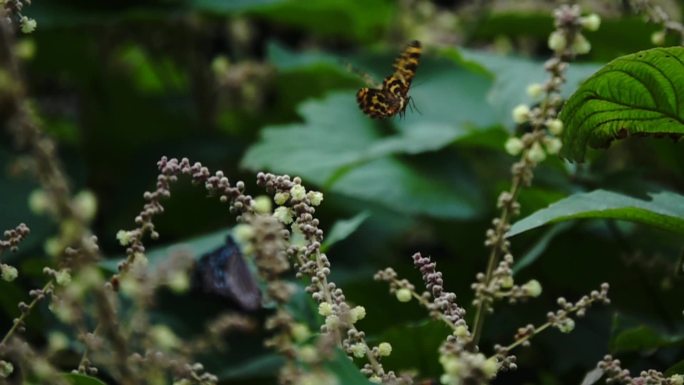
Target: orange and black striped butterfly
(392, 97)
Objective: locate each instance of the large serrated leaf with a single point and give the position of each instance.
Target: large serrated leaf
(664, 210)
(637, 94)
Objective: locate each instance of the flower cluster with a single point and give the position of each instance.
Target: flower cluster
(533, 146)
(12, 9)
(11, 241)
(295, 209)
(615, 374)
(656, 14)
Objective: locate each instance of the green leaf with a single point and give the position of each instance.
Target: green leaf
(341, 149)
(345, 370)
(637, 94)
(81, 379)
(663, 209)
(539, 247)
(512, 75)
(642, 338)
(677, 368)
(344, 228)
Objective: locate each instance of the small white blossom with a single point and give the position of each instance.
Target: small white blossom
(8, 273)
(384, 349)
(535, 90)
(581, 45)
(555, 126)
(283, 214)
(536, 153)
(298, 192)
(514, 146)
(557, 41)
(658, 37)
(521, 113)
(591, 22)
(403, 295)
(533, 288)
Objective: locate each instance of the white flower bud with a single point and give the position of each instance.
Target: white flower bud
(557, 41)
(358, 349)
(553, 145)
(591, 22)
(536, 153)
(581, 45)
(535, 90)
(533, 288)
(298, 192)
(325, 309)
(262, 204)
(521, 113)
(384, 349)
(283, 214)
(403, 295)
(555, 126)
(514, 145)
(8, 273)
(658, 37)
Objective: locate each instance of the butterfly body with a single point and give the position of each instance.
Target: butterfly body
(225, 273)
(392, 97)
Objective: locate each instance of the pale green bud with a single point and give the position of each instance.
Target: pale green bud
(507, 282)
(567, 325)
(164, 337)
(220, 65)
(658, 37)
(490, 367)
(555, 126)
(581, 45)
(676, 379)
(514, 146)
(384, 349)
(8, 273)
(85, 203)
(280, 198)
(283, 214)
(358, 313)
(315, 197)
(591, 22)
(6, 369)
(63, 277)
(404, 295)
(521, 113)
(557, 41)
(38, 201)
(358, 349)
(553, 145)
(124, 237)
(263, 204)
(300, 332)
(179, 282)
(298, 192)
(535, 90)
(325, 309)
(536, 153)
(28, 25)
(533, 288)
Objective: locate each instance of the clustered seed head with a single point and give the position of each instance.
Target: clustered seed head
(13, 237)
(561, 320)
(615, 374)
(443, 302)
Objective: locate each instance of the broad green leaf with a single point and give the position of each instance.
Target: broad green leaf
(642, 338)
(81, 379)
(343, 150)
(637, 94)
(512, 75)
(677, 368)
(344, 228)
(265, 365)
(345, 370)
(662, 209)
(539, 247)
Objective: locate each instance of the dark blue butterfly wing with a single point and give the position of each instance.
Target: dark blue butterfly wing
(224, 272)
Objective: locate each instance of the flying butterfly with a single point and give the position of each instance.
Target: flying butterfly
(224, 272)
(392, 97)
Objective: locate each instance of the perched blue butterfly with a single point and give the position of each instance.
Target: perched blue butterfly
(224, 272)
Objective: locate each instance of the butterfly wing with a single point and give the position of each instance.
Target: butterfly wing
(406, 64)
(375, 103)
(224, 272)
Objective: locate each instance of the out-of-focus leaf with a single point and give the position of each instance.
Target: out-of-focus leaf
(230, 6)
(677, 368)
(340, 148)
(266, 365)
(637, 94)
(642, 338)
(358, 20)
(81, 379)
(662, 209)
(512, 76)
(592, 376)
(540, 246)
(343, 228)
(345, 370)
